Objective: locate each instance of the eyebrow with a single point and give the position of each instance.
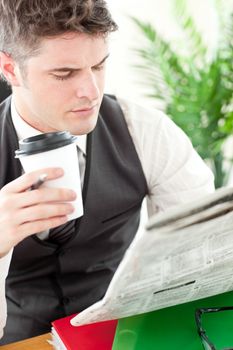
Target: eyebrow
(68, 69)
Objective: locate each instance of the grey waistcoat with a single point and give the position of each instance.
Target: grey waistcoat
(48, 281)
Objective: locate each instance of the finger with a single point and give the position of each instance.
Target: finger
(12, 202)
(43, 195)
(41, 212)
(25, 181)
(30, 228)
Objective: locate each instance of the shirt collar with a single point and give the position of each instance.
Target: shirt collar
(24, 130)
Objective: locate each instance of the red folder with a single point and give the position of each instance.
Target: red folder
(96, 336)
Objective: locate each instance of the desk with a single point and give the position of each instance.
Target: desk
(35, 343)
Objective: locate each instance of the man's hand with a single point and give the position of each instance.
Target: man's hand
(24, 213)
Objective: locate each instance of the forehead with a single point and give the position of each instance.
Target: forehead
(73, 49)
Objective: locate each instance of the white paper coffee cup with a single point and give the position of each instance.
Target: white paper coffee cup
(55, 149)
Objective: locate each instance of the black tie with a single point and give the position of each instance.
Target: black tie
(62, 233)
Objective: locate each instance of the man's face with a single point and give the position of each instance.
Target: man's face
(62, 87)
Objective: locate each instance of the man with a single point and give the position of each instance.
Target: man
(53, 54)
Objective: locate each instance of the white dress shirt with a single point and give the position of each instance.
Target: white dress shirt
(174, 172)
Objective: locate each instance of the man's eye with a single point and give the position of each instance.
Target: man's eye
(63, 77)
(98, 68)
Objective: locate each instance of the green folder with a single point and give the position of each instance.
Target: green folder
(174, 328)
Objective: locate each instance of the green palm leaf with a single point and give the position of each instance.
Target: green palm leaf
(196, 93)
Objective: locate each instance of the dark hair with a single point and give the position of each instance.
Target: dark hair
(23, 23)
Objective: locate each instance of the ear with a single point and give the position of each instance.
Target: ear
(8, 68)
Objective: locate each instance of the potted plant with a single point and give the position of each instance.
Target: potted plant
(197, 92)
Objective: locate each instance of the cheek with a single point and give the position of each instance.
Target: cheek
(100, 80)
(46, 99)
(53, 93)
(44, 85)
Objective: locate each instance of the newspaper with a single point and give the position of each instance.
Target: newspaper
(182, 255)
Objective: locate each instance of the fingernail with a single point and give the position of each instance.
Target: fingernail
(71, 209)
(73, 194)
(59, 171)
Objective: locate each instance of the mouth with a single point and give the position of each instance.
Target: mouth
(84, 111)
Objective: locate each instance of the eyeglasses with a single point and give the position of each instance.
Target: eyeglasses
(207, 344)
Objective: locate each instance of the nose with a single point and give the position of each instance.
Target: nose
(87, 86)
